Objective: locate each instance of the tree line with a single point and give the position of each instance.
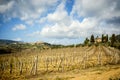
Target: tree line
(113, 40)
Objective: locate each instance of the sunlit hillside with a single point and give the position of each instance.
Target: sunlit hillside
(40, 64)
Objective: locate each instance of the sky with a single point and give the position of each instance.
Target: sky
(58, 21)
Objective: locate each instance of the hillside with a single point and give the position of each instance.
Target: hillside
(10, 46)
(76, 63)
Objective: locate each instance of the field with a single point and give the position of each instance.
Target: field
(75, 63)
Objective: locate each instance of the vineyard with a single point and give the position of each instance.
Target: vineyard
(35, 62)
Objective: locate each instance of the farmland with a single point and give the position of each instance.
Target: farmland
(70, 63)
(59, 39)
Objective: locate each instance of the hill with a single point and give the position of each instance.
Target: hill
(10, 46)
(6, 42)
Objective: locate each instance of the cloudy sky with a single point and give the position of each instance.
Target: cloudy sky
(58, 21)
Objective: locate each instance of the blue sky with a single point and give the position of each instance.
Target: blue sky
(58, 21)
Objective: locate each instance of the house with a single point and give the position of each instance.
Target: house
(98, 40)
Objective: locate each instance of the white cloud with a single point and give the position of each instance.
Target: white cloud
(99, 16)
(74, 30)
(96, 8)
(19, 27)
(36, 33)
(59, 16)
(27, 9)
(65, 26)
(17, 39)
(6, 7)
(30, 22)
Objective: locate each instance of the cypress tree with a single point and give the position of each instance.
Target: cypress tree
(86, 41)
(102, 38)
(92, 39)
(107, 38)
(113, 39)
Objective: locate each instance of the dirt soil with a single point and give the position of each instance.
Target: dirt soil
(111, 72)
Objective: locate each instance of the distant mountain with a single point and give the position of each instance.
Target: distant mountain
(6, 42)
(10, 46)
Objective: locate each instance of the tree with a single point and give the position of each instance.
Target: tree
(86, 42)
(102, 38)
(107, 38)
(113, 40)
(116, 44)
(92, 39)
(118, 38)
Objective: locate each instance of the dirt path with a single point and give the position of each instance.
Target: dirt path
(97, 75)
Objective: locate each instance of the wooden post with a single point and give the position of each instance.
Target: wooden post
(34, 67)
(20, 67)
(36, 62)
(11, 66)
(47, 63)
(61, 59)
(2, 67)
